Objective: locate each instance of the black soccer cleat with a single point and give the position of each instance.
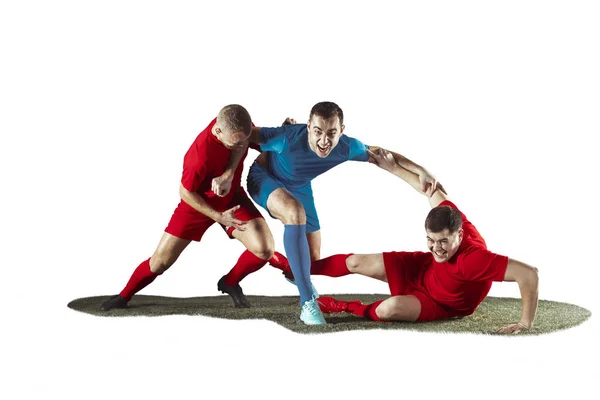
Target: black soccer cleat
(113, 303)
(239, 299)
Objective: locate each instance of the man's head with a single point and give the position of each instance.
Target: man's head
(325, 126)
(444, 232)
(233, 125)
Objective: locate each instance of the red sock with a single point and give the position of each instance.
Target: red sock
(141, 277)
(247, 264)
(365, 310)
(279, 261)
(334, 266)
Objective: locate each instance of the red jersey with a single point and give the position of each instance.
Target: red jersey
(206, 159)
(461, 283)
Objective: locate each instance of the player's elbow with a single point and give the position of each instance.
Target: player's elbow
(529, 278)
(183, 192)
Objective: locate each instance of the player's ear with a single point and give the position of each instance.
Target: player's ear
(460, 234)
(342, 129)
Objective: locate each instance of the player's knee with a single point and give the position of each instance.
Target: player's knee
(394, 309)
(352, 264)
(263, 250)
(388, 310)
(294, 212)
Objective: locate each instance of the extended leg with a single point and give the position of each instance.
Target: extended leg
(168, 250)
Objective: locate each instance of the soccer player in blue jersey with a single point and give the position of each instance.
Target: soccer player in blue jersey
(280, 181)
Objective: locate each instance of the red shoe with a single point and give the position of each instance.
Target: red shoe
(330, 305)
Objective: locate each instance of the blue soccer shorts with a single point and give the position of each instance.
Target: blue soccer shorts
(261, 183)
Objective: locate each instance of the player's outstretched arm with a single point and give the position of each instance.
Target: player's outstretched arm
(426, 179)
(199, 204)
(387, 161)
(527, 278)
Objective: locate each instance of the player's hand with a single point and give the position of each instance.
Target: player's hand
(383, 158)
(221, 185)
(428, 183)
(514, 328)
(228, 219)
(289, 121)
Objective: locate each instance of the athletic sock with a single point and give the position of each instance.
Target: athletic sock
(334, 266)
(281, 263)
(246, 264)
(141, 277)
(296, 249)
(365, 310)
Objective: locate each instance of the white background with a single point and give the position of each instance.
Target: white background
(100, 102)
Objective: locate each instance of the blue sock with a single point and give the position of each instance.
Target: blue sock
(298, 254)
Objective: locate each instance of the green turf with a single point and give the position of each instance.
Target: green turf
(492, 314)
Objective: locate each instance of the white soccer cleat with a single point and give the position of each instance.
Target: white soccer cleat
(311, 313)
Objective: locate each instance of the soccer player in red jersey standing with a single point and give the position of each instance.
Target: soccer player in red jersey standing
(210, 192)
(450, 280)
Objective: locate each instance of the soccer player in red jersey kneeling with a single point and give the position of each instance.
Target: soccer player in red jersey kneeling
(450, 280)
(211, 192)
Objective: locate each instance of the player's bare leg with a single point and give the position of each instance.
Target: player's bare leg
(260, 244)
(286, 208)
(370, 265)
(314, 244)
(168, 250)
(399, 308)
(257, 238)
(396, 308)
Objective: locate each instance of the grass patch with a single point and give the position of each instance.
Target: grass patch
(493, 313)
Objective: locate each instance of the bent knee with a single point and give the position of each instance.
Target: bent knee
(352, 263)
(399, 309)
(292, 212)
(387, 310)
(262, 249)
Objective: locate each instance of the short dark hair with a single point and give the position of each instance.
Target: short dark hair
(235, 118)
(326, 110)
(443, 217)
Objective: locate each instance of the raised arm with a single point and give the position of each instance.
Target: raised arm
(527, 278)
(386, 160)
(426, 179)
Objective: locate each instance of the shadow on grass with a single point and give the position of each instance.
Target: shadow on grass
(492, 314)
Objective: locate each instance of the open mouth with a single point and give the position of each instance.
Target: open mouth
(324, 149)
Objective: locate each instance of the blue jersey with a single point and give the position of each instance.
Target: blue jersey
(293, 162)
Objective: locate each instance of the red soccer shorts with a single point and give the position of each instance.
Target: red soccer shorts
(404, 280)
(187, 223)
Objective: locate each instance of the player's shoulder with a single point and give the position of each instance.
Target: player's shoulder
(473, 256)
(343, 146)
(295, 129)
